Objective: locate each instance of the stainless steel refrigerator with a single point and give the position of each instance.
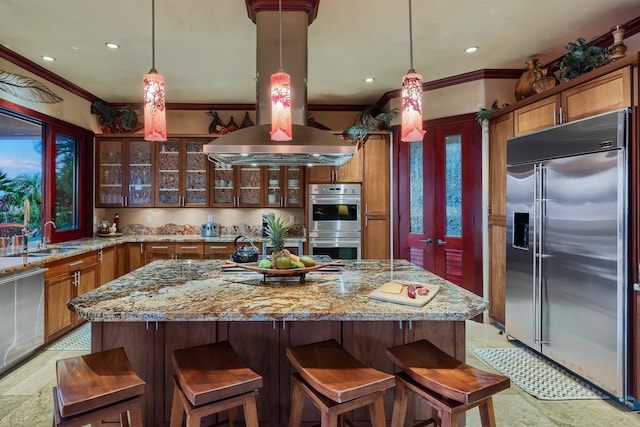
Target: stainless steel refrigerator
(566, 254)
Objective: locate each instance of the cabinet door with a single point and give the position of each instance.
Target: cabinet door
(139, 191)
(223, 183)
(500, 130)
(58, 318)
(168, 161)
(109, 173)
(108, 265)
(135, 256)
(537, 116)
(376, 243)
(351, 171)
(274, 183)
(87, 280)
(294, 187)
(196, 175)
(249, 182)
(122, 260)
(607, 93)
(320, 174)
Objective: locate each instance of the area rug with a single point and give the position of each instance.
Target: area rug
(77, 340)
(537, 376)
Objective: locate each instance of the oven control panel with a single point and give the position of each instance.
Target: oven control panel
(335, 189)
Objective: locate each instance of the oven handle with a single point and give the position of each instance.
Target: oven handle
(342, 199)
(342, 242)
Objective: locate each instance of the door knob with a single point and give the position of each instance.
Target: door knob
(441, 242)
(427, 241)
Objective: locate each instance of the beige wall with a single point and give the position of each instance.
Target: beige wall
(72, 109)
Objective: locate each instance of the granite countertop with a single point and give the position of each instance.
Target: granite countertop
(198, 290)
(13, 262)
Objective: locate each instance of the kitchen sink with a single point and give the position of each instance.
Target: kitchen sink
(42, 252)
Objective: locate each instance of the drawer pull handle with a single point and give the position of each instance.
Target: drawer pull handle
(217, 247)
(159, 247)
(73, 264)
(188, 247)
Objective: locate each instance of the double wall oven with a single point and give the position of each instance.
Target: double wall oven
(335, 220)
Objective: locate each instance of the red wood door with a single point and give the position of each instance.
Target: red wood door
(439, 187)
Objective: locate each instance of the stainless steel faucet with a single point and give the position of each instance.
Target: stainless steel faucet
(25, 238)
(45, 238)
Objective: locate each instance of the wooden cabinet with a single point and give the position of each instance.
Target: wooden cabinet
(124, 172)
(218, 250)
(122, 261)
(237, 186)
(284, 186)
(135, 256)
(182, 173)
(166, 250)
(107, 265)
(376, 199)
(350, 172)
(500, 130)
(63, 281)
(605, 89)
(605, 93)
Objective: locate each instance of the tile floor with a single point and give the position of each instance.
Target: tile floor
(25, 395)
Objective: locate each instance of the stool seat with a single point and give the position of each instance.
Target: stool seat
(444, 374)
(95, 380)
(209, 379)
(448, 385)
(332, 371)
(213, 372)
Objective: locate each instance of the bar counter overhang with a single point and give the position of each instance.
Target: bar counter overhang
(172, 304)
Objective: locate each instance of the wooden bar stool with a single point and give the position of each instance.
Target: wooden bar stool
(95, 386)
(445, 383)
(336, 383)
(210, 379)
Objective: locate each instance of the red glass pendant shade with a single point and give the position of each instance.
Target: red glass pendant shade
(155, 122)
(281, 128)
(411, 129)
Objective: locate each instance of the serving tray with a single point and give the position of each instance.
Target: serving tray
(274, 272)
(110, 234)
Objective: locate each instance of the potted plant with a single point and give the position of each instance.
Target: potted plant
(581, 58)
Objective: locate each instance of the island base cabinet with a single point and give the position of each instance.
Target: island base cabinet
(262, 345)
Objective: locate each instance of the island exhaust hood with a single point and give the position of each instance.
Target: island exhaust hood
(253, 145)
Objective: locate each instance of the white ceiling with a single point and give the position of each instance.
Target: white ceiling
(205, 49)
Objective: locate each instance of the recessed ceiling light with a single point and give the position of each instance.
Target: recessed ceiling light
(471, 49)
(369, 79)
(112, 45)
(48, 58)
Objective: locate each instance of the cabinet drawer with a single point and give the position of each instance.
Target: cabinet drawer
(70, 264)
(189, 248)
(218, 250)
(159, 248)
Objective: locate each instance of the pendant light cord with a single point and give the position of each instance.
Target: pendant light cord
(410, 38)
(280, 16)
(153, 34)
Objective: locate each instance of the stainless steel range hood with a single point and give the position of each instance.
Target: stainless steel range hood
(253, 145)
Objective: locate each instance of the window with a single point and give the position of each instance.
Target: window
(43, 161)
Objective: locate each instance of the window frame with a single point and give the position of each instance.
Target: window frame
(50, 128)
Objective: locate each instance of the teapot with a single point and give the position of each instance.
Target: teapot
(244, 254)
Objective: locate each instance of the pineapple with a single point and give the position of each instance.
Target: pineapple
(277, 231)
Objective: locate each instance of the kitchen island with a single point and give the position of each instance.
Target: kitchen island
(172, 304)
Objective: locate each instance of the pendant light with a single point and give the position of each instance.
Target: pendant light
(411, 129)
(281, 128)
(155, 122)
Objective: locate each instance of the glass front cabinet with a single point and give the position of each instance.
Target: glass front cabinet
(284, 186)
(124, 173)
(182, 174)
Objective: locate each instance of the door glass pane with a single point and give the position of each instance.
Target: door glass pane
(453, 144)
(66, 210)
(416, 190)
(20, 171)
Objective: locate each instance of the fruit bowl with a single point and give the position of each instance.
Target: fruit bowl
(274, 272)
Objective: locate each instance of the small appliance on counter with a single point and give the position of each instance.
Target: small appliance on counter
(210, 229)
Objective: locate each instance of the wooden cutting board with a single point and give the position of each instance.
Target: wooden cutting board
(402, 297)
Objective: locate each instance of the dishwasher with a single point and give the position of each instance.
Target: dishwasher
(21, 315)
